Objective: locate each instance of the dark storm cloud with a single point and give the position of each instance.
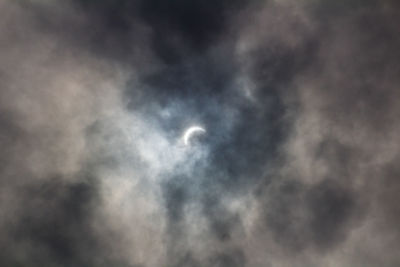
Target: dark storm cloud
(316, 216)
(348, 103)
(54, 223)
(177, 27)
(298, 166)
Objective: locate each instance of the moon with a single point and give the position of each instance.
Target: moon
(190, 132)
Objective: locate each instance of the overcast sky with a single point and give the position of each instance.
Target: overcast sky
(299, 163)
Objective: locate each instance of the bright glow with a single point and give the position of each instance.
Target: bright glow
(190, 131)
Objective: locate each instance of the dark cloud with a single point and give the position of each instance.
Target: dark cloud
(231, 258)
(221, 221)
(55, 221)
(298, 165)
(53, 226)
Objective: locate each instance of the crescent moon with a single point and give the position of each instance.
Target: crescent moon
(190, 131)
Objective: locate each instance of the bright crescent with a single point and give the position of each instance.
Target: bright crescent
(190, 131)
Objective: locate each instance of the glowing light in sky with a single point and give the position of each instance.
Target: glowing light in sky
(190, 132)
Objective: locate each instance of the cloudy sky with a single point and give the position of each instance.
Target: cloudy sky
(299, 164)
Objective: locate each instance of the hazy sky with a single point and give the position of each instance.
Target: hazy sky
(299, 165)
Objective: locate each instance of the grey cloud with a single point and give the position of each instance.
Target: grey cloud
(298, 166)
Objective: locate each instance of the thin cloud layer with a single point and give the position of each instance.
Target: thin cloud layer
(298, 167)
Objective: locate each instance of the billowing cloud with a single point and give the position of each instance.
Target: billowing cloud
(298, 166)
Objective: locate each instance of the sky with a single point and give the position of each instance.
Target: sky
(299, 163)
